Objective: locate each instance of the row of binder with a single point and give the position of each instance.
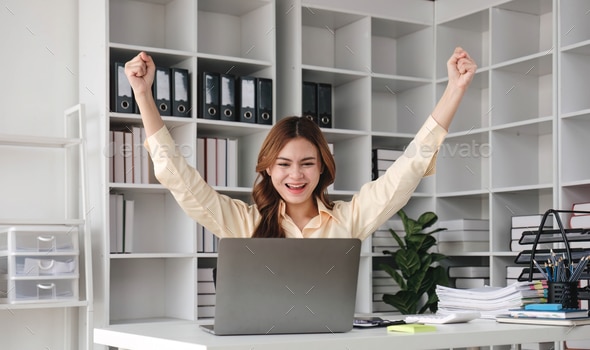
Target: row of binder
(317, 103)
(244, 98)
(171, 89)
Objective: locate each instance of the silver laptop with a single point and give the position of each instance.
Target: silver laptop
(285, 285)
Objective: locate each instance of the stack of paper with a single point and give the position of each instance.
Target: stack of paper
(489, 301)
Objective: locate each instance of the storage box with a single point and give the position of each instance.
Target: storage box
(39, 264)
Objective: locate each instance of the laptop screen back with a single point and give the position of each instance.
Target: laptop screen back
(286, 285)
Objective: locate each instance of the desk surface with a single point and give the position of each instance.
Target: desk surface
(187, 335)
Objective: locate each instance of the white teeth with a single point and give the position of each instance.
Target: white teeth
(295, 187)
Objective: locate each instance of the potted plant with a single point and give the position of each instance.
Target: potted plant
(415, 267)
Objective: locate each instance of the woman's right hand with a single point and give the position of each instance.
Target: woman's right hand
(140, 71)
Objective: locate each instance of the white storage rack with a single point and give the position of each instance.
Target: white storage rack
(46, 262)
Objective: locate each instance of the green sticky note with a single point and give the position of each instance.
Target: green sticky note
(411, 328)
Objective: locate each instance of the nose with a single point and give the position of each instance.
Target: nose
(296, 172)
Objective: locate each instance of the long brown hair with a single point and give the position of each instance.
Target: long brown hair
(264, 194)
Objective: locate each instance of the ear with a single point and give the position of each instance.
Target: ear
(268, 171)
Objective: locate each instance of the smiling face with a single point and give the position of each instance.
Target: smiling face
(296, 172)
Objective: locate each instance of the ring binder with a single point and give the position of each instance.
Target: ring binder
(161, 90)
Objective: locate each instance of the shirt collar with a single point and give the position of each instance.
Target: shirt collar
(322, 209)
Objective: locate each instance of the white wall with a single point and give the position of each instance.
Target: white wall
(38, 80)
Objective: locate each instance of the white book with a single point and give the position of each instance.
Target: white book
(205, 311)
(118, 158)
(116, 223)
(387, 154)
(200, 238)
(463, 235)
(129, 209)
(382, 164)
(205, 274)
(579, 221)
(530, 221)
(206, 299)
(232, 163)
(469, 271)
(137, 154)
(221, 162)
(458, 247)
(201, 156)
(208, 241)
(384, 241)
(581, 206)
(210, 161)
(128, 157)
(516, 232)
(113, 223)
(146, 167)
(513, 272)
(207, 287)
(465, 224)
(465, 283)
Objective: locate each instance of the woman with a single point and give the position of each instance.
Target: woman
(294, 169)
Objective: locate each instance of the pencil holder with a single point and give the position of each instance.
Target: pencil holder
(564, 293)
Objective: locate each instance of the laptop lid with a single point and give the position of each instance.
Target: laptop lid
(286, 285)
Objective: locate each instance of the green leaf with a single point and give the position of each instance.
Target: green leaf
(427, 219)
(408, 261)
(397, 277)
(397, 238)
(406, 302)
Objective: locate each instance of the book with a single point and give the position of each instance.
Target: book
(560, 314)
(530, 221)
(580, 221)
(581, 206)
(469, 271)
(543, 321)
(465, 224)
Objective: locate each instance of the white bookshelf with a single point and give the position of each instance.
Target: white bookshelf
(513, 148)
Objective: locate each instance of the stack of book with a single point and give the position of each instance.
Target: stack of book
(382, 239)
(382, 159)
(580, 219)
(463, 235)
(207, 242)
(205, 293)
(383, 284)
(553, 314)
(522, 224)
(490, 301)
(217, 161)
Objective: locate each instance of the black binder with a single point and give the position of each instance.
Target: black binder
(246, 91)
(210, 95)
(263, 101)
(227, 97)
(161, 90)
(180, 92)
(324, 105)
(309, 108)
(122, 95)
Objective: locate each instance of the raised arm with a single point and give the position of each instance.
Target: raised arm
(140, 71)
(461, 69)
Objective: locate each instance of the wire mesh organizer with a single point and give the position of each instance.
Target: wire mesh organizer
(560, 271)
(563, 275)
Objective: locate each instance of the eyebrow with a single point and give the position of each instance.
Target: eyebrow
(302, 160)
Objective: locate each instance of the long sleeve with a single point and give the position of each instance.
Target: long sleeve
(222, 215)
(378, 200)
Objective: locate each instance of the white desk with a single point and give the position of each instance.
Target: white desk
(187, 335)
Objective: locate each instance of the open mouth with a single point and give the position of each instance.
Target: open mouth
(295, 187)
